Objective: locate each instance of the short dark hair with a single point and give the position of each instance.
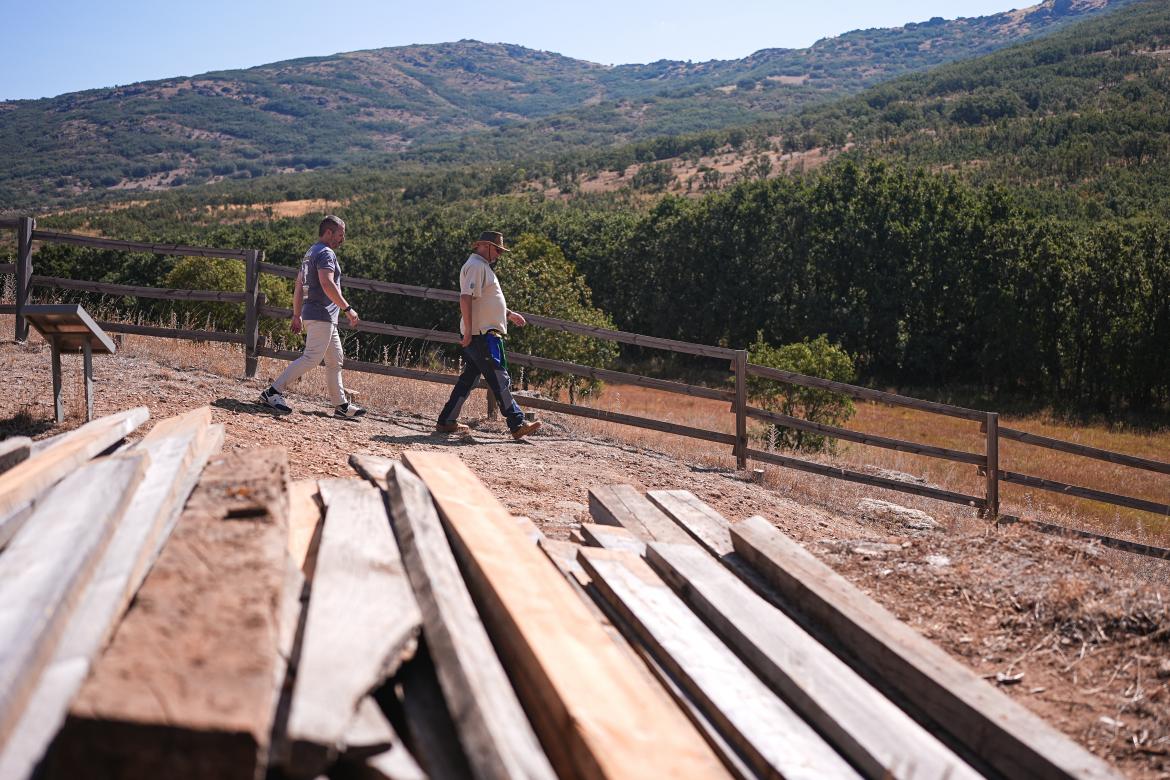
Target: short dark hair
(330, 223)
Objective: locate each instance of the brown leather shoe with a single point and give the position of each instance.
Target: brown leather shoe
(525, 429)
(453, 427)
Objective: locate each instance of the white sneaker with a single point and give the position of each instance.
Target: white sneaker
(348, 410)
(274, 400)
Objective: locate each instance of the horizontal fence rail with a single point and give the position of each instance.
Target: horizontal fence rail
(836, 472)
(173, 333)
(1084, 492)
(255, 307)
(52, 236)
(866, 393)
(866, 438)
(161, 293)
(1082, 449)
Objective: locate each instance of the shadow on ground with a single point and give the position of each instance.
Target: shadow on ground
(24, 424)
(246, 407)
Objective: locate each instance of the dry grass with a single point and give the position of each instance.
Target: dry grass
(926, 428)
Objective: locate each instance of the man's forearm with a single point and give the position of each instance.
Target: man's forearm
(465, 312)
(298, 297)
(334, 293)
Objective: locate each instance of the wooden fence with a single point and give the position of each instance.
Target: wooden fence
(255, 307)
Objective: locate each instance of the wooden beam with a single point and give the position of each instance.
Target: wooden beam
(564, 557)
(430, 728)
(624, 506)
(950, 698)
(612, 537)
(22, 484)
(304, 521)
(866, 727)
(14, 450)
(772, 739)
(175, 462)
(188, 686)
(373, 750)
(362, 622)
(47, 566)
(495, 733)
(593, 711)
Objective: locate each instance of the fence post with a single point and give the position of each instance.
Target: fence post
(741, 442)
(493, 408)
(24, 230)
(992, 465)
(251, 310)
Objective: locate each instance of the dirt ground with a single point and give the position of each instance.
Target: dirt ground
(1078, 634)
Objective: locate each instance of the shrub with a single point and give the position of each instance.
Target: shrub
(817, 358)
(222, 273)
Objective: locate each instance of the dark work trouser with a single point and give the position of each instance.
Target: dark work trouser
(484, 357)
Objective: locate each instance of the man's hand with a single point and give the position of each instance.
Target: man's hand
(516, 318)
(354, 319)
(465, 340)
(297, 325)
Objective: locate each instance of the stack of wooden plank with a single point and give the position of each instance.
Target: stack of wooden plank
(405, 625)
(81, 530)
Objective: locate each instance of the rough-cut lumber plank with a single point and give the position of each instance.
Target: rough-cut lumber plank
(45, 569)
(429, 724)
(564, 557)
(496, 735)
(991, 726)
(14, 450)
(624, 506)
(361, 623)
(866, 727)
(372, 467)
(708, 527)
(20, 485)
(612, 537)
(772, 739)
(304, 520)
(593, 710)
(187, 687)
(175, 464)
(373, 751)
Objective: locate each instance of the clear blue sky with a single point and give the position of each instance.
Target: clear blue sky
(55, 46)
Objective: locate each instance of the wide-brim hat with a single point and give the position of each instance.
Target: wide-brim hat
(493, 238)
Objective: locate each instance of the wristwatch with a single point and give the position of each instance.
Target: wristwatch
(348, 308)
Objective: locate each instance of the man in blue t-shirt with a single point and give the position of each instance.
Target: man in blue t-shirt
(317, 300)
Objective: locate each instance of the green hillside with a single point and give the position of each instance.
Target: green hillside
(1080, 118)
(465, 101)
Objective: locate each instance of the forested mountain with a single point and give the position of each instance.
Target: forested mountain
(422, 102)
(1080, 118)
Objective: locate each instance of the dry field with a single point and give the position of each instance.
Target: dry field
(953, 433)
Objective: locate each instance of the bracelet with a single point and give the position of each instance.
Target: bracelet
(348, 308)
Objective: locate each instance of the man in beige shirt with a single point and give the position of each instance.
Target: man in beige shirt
(483, 324)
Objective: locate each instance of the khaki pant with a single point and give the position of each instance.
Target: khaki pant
(321, 342)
